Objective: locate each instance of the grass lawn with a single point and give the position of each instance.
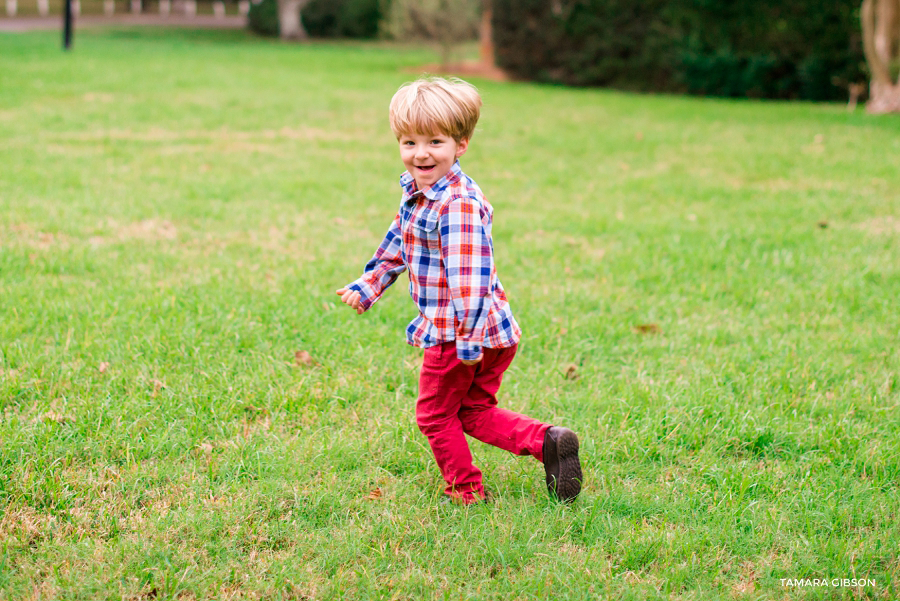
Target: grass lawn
(708, 290)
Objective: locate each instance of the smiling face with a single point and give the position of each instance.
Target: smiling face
(428, 158)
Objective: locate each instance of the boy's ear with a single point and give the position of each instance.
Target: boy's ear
(462, 148)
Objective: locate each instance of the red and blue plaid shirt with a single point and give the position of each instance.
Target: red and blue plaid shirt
(442, 235)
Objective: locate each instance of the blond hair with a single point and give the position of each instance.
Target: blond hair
(435, 105)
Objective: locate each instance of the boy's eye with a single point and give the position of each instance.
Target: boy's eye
(435, 141)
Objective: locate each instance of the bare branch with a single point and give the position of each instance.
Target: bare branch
(445, 23)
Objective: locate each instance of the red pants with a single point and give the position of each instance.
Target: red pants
(457, 399)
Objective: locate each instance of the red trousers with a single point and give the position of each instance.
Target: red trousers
(457, 399)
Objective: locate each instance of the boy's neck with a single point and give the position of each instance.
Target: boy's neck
(414, 186)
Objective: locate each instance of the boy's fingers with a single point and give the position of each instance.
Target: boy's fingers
(352, 298)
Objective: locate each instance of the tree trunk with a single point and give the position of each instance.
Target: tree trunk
(486, 35)
(883, 98)
(445, 51)
(289, 24)
(881, 44)
(887, 13)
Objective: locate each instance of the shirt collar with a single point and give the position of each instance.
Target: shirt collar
(433, 192)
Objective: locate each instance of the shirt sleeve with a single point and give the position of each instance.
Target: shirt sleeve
(382, 270)
(468, 261)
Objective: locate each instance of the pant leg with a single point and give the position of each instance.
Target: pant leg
(443, 383)
(482, 419)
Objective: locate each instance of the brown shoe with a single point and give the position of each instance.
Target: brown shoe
(561, 463)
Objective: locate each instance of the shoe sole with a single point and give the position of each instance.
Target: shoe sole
(568, 467)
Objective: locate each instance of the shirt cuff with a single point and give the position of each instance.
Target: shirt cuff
(467, 350)
(367, 295)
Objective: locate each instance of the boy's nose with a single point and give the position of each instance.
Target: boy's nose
(421, 152)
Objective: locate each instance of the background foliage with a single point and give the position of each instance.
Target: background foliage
(447, 24)
(767, 49)
(344, 18)
(325, 18)
(263, 18)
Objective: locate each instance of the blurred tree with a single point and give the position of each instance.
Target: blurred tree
(486, 35)
(290, 25)
(881, 43)
(446, 23)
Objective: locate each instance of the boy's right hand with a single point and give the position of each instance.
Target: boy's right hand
(352, 298)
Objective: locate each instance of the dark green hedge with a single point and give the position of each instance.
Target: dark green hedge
(758, 48)
(263, 18)
(324, 18)
(343, 18)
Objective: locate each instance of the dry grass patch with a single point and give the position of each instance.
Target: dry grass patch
(26, 525)
(47, 589)
(25, 235)
(173, 143)
(795, 184)
(147, 230)
(215, 136)
(880, 226)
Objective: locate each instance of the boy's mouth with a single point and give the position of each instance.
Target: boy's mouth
(425, 168)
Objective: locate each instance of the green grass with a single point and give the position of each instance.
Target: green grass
(176, 209)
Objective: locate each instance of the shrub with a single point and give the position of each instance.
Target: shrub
(344, 18)
(323, 18)
(594, 42)
(263, 18)
(761, 48)
(790, 49)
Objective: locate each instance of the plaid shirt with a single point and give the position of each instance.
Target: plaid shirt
(442, 235)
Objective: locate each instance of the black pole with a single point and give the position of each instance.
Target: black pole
(67, 25)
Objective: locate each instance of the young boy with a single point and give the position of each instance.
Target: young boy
(442, 235)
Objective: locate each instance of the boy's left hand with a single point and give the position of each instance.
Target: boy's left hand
(471, 361)
(351, 298)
